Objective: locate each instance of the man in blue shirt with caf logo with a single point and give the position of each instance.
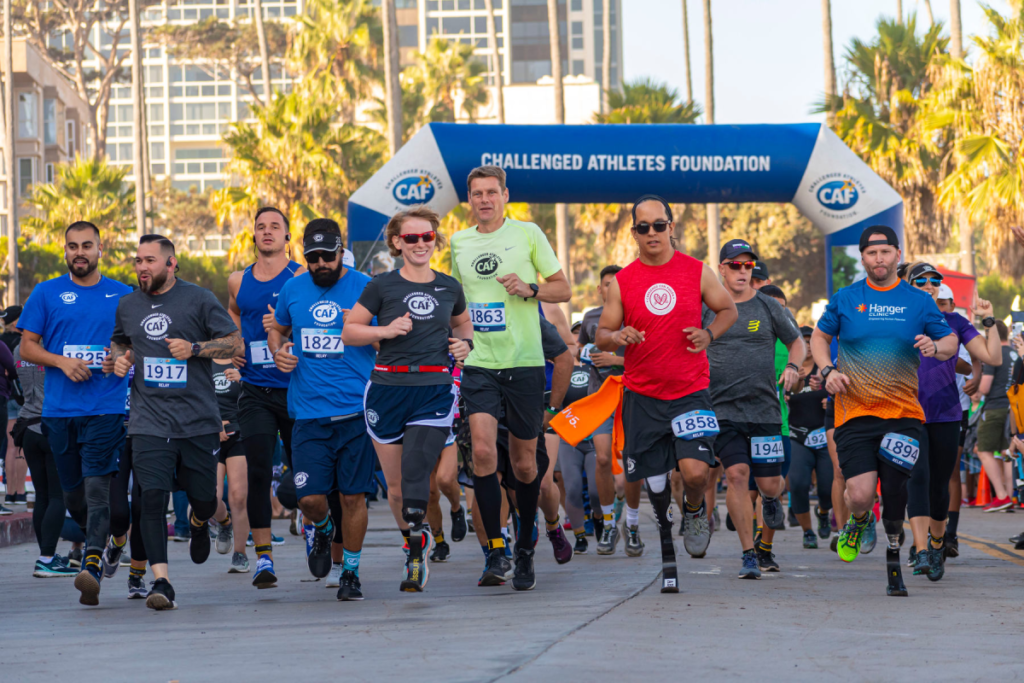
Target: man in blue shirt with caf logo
(882, 324)
(331, 450)
(66, 325)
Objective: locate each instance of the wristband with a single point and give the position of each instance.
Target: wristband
(793, 365)
(710, 334)
(553, 411)
(470, 342)
(988, 322)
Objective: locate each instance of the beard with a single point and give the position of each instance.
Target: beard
(325, 277)
(154, 283)
(81, 271)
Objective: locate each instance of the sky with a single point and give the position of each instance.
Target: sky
(767, 53)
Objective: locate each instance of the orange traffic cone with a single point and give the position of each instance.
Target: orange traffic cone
(984, 496)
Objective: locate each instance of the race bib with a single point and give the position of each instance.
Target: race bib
(695, 424)
(93, 355)
(317, 343)
(165, 373)
(261, 356)
(900, 450)
(487, 317)
(766, 450)
(585, 353)
(816, 440)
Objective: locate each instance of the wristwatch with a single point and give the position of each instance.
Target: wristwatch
(553, 410)
(988, 322)
(470, 342)
(826, 371)
(196, 348)
(535, 289)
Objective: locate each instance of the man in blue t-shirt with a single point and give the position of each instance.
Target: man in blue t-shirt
(66, 327)
(331, 450)
(884, 327)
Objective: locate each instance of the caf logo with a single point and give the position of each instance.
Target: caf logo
(300, 479)
(486, 265)
(372, 417)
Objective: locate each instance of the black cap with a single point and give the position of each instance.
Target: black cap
(734, 248)
(806, 330)
(321, 234)
(760, 271)
(10, 314)
(890, 237)
(922, 268)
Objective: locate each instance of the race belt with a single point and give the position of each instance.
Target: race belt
(411, 368)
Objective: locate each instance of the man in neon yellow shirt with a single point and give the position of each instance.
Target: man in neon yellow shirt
(497, 262)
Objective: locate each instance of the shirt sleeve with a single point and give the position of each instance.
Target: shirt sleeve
(544, 258)
(989, 370)
(460, 302)
(218, 323)
(935, 325)
(964, 329)
(33, 315)
(455, 263)
(118, 336)
(829, 320)
(281, 313)
(551, 341)
(371, 298)
(583, 337)
(785, 330)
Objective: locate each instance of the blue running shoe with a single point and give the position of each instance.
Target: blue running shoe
(265, 575)
(617, 507)
(750, 569)
(307, 532)
(88, 580)
(274, 540)
(870, 538)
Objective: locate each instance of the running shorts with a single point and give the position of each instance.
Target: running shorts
(755, 444)
(389, 409)
(332, 455)
(859, 442)
(231, 448)
(520, 389)
(168, 464)
(86, 446)
(651, 447)
(263, 410)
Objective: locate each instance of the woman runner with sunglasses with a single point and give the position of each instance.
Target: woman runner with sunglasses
(410, 400)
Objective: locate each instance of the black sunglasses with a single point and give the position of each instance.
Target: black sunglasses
(644, 228)
(321, 255)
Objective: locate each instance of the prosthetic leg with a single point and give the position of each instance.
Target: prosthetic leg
(893, 535)
(661, 498)
(412, 582)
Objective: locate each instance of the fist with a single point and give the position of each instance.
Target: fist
(123, 364)
(399, 327)
(179, 348)
(284, 360)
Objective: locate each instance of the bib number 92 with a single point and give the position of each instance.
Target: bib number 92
(816, 440)
(902, 451)
(695, 424)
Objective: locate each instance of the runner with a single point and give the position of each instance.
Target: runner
(992, 439)
(744, 392)
(928, 489)
(66, 325)
(497, 262)
(263, 403)
(410, 400)
(666, 409)
(169, 330)
(882, 324)
(575, 461)
(233, 525)
(331, 449)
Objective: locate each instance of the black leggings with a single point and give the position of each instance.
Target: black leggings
(125, 515)
(154, 521)
(806, 461)
(928, 490)
(259, 459)
(48, 513)
(894, 492)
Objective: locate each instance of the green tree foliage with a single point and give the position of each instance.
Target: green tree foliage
(184, 214)
(1001, 291)
(644, 100)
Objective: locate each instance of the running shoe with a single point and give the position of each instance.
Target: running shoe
(951, 546)
(295, 524)
(560, 545)
(239, 564)
(834, 544)
(936, 564)
(459, 525)
(161, 596)
(771, 513)
(912, 559)
(274, 540)
(497, 570)
(791, 519)
(182, 537)
(524, 578)
(87, 581)
(225, 538)
(75, 557)
(750, 570)
(696, 531)
(715, 516)
(4, 511)
(111, 558)
(609, 539)
(199, 546)
(319, 560)
(334, 578)
(1019, 545)
(137, 588)
(870, 535)
(998, 505)
(350, 588)
(824, 526)
(469, 524)
(307, 535)
(213, 527)
(850, 539)
(417, 571)
(581, 546)
(922, 563)
(634, 546)
(21, 499)
(442, 551)
(810, 540)
(617, 507)
(265, 575)
(766, 560)
(54, 568)
(1018, 538)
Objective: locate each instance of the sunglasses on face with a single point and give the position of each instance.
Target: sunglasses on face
(325, 256)
(922, 281)
(644, 228)
(413, 238)
(740, 265)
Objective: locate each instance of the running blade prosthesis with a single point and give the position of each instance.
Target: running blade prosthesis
(669, 575)
(894, 574)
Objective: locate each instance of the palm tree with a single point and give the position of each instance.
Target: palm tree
(261, 37)
(714, 228)
(392, 85)
(561, 209)
(606, 53)
(496, 70)
(138, 102)
(830, 65)
(686, 53)
(448, 69)
(956, 34)
(644, 100)
(9, 131)
(956, 51)
(928, 12)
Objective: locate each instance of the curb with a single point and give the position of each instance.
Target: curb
(16, 529)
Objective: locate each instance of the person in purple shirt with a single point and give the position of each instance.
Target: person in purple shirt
(928, 490)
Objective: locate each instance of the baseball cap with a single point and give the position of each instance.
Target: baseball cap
(760, 271)
(806, 330)
(321, 234)
(10, 314)
(945, 292)
(922, 269)
(890, 237)
(734, 248)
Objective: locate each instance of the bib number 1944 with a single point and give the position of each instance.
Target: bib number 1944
(767, 450)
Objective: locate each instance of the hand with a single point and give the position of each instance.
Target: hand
(514, 286)
(223, 434)
(179, 348)
(124, 363)
(1016, 446)
(836, 383)
(815, 382)
(804, 371)
(76, 369)
(399, 327)
(1018, 344)
(108, 362)
(926, 345)
(268, 319)
(284, 360)
(1018, 234)
(627, 335)
(700, 339)
(981, 307)
(547, 418)
(971, 386)
(602, 359)
(458, 348)
(232, 375)
(344, 315)
(238, 362)
(789, 378)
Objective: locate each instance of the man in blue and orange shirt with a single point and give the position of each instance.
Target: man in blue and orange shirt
(882, 323)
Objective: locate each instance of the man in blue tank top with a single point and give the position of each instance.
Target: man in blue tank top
(263, 403)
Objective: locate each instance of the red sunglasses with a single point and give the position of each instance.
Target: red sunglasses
(413, 238)
(736, 265)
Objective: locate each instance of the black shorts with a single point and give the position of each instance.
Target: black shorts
(965, 422)
(830, 415)
(263, 410)
(651, 447)
(757, 445)
(389, 409)
(521, 390)
(505, 462)
(168, 464)
(859, 443)
(231, 448)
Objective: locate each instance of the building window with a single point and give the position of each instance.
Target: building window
(577, 67)
(409, 36)
(28, 116)
(49, 173)
(577, 35)
(577, 5)
(49, 122)
(26, 166)
(69, 130)
(156, 150)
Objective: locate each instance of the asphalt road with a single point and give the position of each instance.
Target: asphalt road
(594, 619)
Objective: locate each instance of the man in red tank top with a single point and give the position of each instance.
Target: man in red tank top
(666, 410)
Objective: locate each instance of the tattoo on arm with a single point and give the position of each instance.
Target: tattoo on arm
(225, 347)
(118, 350)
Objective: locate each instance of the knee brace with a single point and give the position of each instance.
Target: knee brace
(894, 492)
(421, 448)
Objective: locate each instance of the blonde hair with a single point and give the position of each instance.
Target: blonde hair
(911, 267)
(394, 228)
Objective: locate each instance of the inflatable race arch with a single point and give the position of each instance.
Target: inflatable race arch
(806, 164)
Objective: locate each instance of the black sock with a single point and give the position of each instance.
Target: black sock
(488, 496)
(527, 496)
(952, 522)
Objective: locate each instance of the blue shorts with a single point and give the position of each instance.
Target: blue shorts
(87, 446)
(607, 427)
(390, 408)
(332, 456)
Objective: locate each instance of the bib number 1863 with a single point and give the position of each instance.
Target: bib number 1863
(487, 317)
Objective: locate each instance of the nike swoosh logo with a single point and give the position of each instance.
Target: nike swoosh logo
(110, 295)
(275, 294)
(216, 451)
(157, 305)
(701, 448)
(441, 414)
(440, 289)
(507, 248)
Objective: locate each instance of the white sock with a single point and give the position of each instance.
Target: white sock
(632, 516)
(46, 559)
(606, 511)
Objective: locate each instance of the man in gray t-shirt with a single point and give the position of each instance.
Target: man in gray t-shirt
(170, 330)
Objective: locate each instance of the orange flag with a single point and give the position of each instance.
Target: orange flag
(579, 420)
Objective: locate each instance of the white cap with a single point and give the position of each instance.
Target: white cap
(348, 259)
(945, 292)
